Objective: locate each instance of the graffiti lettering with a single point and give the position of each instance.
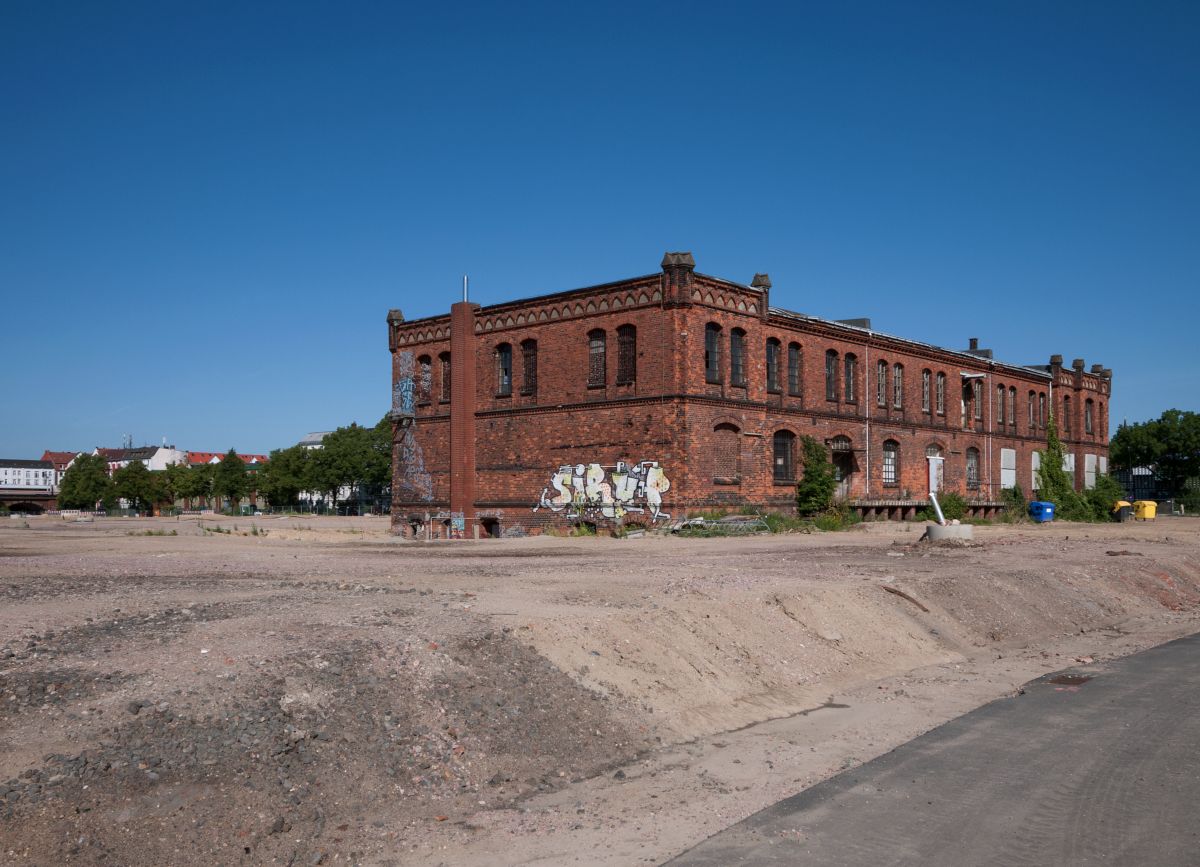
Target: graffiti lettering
(595, 491)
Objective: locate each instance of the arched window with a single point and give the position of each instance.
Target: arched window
(424, 379)
(973, 469)
(597, 358)
(726, 454)
(1102, 422)
(1032, 411)
(504, 369)
(891, 463)
(1066, 419)
(785, 456)
(774, 350)
(1088, 424)
(898, 386)
(737, 357)
(794, 374)
(626, 355)
(941, 393)
(926, 390)
(712, 352)
(851, 377)
(529, 367)
(444, 358)
(881, 368)
(938, 466)
(1041, 409)
(1001, 392)
(977, 397)
(831, 375)
(1012, 405)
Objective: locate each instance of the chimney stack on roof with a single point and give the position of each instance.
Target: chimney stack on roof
(761, 281)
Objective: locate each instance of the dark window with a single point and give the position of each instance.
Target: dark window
(941, 394)
(1066, 419)
(529, 366)
(712, 352)
(737, 357)
(1088, 426)
(597, 358)
(1041, 409)
(881, 368)
(851, 377)
(891, 463)
(1000, 392)
(831, 375)
(503, 369)
(1012, 406)
(794, 362)
(773, 352)
(785, 447)
(973, 469)
(626, 354)
(898, 386)
(424, 379)
(444, 358)
(926, 389)
(1032, 411)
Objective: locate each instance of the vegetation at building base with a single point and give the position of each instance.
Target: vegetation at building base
(1055, 485)
(1168, 445)
(814, 493)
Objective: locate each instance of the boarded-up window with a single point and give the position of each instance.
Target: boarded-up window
(726, 464)
(1089, 471)
(1008, 468)
(1035, 478)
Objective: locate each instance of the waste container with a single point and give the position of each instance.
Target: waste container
(1123, 511)
(1145, 510)
(1041, 511)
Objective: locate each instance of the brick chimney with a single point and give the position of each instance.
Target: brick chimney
(462, 411)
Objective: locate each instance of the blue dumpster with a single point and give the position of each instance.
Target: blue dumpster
(1041, 511)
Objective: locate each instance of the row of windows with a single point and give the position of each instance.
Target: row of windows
(714, 366)
(597, 344)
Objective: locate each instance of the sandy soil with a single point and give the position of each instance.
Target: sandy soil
(304, 691)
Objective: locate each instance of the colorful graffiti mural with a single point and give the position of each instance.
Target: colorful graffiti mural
(414, 481)
(593, 491)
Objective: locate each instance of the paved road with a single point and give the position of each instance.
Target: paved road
(1106, 772)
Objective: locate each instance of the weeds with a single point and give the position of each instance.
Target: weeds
(152, 533)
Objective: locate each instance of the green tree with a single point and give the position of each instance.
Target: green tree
(1055, 485)
(284, 476)
(137, 486)
(174, 482)
(196, 484)
(814, 493)
(230, 479)
(1170, 445)
(85, 484)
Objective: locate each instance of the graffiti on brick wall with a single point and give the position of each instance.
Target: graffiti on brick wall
(594, 491)
(413, 481)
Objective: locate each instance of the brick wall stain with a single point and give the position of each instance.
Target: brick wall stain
(714, 441)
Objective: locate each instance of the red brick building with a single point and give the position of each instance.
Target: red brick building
(652, 397)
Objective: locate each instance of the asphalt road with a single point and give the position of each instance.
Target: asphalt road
(1105, 772)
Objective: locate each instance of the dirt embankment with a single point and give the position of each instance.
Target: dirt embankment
(325, 694)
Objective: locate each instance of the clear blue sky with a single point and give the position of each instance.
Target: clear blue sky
(207, 209)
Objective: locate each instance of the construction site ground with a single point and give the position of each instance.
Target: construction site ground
(316, 691)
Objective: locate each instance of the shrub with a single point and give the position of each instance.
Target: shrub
(1016, 508)
(814, 493)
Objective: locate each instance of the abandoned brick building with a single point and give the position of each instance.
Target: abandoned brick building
(645, 399)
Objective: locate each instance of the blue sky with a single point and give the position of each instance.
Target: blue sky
(208, 208)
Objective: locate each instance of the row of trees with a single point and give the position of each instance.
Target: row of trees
(87, 484)
(1169, 445)
(354, 463)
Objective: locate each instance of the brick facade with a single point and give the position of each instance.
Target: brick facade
(631, 400)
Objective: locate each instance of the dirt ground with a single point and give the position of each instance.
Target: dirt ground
(307, 691)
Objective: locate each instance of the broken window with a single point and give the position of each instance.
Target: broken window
(444, 358)
(941, 394)
(973, 469)
(881, 383)
(926, 377)
(504, 369)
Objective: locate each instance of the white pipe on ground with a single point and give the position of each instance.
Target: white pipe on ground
(937, 507)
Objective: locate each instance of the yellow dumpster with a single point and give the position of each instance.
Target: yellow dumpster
(1123, 510)
(1145, 510)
